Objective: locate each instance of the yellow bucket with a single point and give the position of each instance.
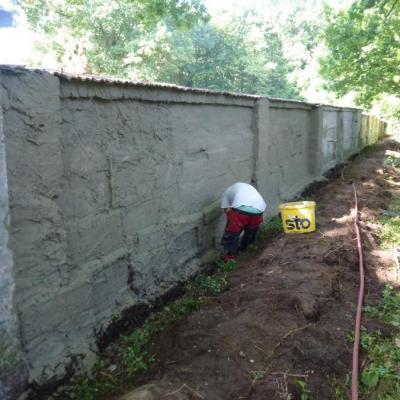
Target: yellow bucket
(298, 217)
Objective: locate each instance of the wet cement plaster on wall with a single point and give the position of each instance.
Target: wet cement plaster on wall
(113, 190)
(13, 369)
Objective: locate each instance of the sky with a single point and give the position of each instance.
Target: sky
(16, 42)
(6, 18)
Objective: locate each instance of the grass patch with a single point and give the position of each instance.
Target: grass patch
(380, 355)
(390, 226)
(380, 371)
(129, 356)
(393, 160)
(208, 285)
(380, 375)
(389, 309)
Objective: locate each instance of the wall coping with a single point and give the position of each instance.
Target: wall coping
(109, 88)
(122, 82)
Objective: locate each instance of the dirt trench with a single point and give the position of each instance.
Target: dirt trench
(288, 310)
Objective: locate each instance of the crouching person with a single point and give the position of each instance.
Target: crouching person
(244, 208)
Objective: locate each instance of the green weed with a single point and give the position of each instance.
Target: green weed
(390, 226)
(380, 368)
(380, 374)
(393, 160)
(8, 355)
(271, 227)
(257, 375)
(390, 231)
(172, 312)
(389, 308)
(339, 389)
(226, 265)
(381, 355)
(86, 388)
(304, 390)
(365, 338)
(135, 358)
(208, 285)
(252, 248)
(129, 355)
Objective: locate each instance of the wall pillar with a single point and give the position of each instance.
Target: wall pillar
(340, 154)
(357, 137)
(265, 175)
(315, 155)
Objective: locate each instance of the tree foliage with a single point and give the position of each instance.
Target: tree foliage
(240, 57)
(363, 44)
(165, 40)
(108, 33)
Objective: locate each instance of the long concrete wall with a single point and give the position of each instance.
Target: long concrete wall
(113, 190)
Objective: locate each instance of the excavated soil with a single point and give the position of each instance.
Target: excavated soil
(289, 308)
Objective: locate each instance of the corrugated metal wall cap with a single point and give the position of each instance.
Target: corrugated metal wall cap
(148, 84)
(125, 82)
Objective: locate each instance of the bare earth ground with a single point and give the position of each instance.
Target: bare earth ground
(289, 309)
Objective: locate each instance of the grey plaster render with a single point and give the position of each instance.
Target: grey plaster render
(13, 371)
(114, 194)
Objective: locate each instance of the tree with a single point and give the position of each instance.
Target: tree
(164, 40)
(112, 36)
(243, 56)
(363, 45)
